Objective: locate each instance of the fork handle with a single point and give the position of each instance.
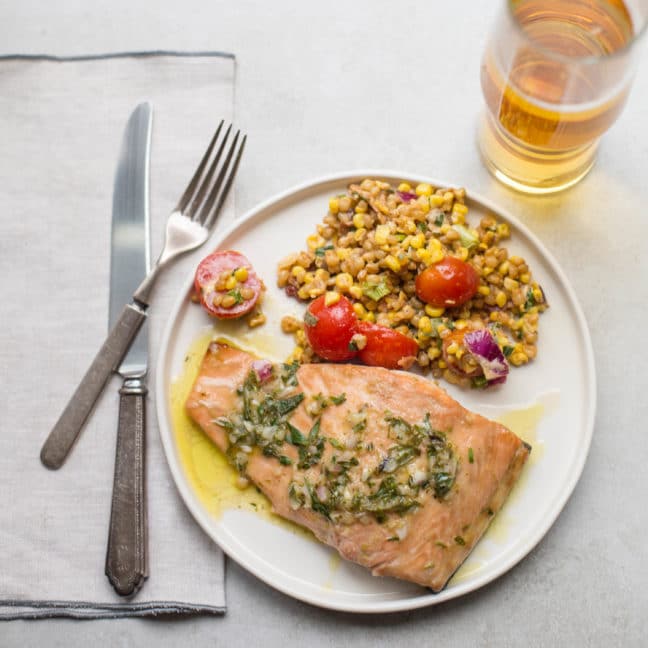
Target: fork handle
(62, 437)
(127, 553)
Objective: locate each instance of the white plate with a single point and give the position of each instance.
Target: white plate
(561, 379)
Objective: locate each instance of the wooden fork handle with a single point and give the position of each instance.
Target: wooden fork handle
(62, 437)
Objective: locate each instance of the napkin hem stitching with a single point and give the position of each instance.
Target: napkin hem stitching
(109, 55)
(88, 610)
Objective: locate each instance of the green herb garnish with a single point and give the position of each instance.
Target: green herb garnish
(236, 293)
(375, 291)
(320, 251)
(467, 238)
(471, 456)
(310, 319)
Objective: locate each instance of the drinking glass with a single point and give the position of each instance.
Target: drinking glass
(555, 76)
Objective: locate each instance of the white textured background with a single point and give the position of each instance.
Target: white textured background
(335, 85)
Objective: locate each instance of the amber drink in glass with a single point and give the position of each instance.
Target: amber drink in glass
(555, 76)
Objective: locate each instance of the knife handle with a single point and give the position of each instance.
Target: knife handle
(62, 437)
(126, 557)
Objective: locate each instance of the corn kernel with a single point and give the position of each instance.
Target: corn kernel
(460, 324)
(442, 364)
(358, 220)
(448, 196)
(453, 347)
(369, 317)
(241, 274)
(297, 353)
(334, 206)
(518, 358)
(434, 353)
(359, 233)
(459, 208)
(436, 250)
(298, 272)
(484, 290)
(302, 293)
(361, 207)
(425, 325)
(355, 291)
(462, 253)
(331, 297)
(501, 299)
(410, 227)
(503, 230)
(493, 317)
(459, 353)
(343, 253)
(392, 263)
(434, 312)
(510, 284)
(359, 310)
(486, 271)
(314, 241)
(503, 268)
(424, 256)
(405, 187)
(231, 282)
(436, 200)
(418, 241)
(343, 281)
(309, 277)
(423, 189)
(382, 234)
(424, 204)
(525, 278)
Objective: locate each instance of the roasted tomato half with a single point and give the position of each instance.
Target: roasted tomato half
(227, 285)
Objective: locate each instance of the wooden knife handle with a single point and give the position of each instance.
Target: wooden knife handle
(127, 554)
(68, 427)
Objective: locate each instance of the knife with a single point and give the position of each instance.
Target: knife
(126, 555)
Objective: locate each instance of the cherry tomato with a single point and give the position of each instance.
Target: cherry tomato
(450, 282)
(329, 329)
(386, 347)
(221, 293)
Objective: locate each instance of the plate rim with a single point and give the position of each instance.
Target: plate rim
(165, 427)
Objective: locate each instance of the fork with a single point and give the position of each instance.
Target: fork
(187, 228)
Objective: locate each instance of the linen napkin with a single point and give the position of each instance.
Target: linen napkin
(61, 124)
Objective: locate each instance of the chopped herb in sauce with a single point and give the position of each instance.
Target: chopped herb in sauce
(459, 540)
(471, 456)
(344, 486)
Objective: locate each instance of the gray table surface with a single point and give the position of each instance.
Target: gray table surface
(335, 85)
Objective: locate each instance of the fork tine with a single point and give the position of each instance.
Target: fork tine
(211, 218)
(193, 183)
(218, 193)
(206, 182)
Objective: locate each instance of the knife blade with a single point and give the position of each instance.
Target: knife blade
(127, 554)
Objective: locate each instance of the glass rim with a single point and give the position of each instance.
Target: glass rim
(589, 59)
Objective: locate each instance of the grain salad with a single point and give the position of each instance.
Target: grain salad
(374, 241)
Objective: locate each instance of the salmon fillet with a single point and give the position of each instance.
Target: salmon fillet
(382, 465)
